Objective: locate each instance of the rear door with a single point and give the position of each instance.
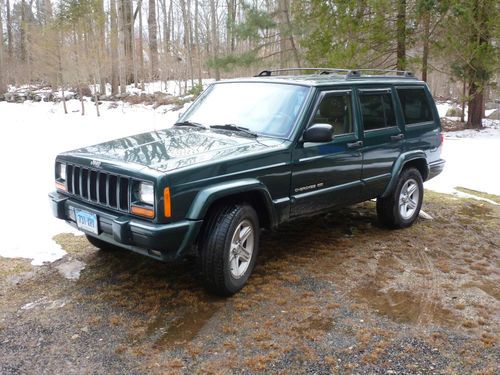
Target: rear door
(383, 138)
(328, 174)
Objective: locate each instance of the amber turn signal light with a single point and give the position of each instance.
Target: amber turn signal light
(143, 211)
(166, 202)
(60, 186)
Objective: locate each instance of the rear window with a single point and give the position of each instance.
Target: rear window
(377, 110)
(415, 105)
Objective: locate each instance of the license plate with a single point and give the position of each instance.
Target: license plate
(86, 221)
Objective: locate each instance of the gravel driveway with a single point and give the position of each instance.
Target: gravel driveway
(331, 294)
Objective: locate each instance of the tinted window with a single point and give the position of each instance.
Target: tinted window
(377, 110)
(415, 105)
(335, 110)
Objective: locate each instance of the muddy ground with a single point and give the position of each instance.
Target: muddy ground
(331, 294)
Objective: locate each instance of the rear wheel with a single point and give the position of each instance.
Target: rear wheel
(401, 208)
(229, 248)
(100, 244)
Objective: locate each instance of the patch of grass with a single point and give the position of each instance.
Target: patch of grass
(13, 266)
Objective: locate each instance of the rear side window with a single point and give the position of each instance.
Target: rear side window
(377, 110)
(415, 105)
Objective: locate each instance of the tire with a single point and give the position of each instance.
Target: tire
(401, 208)
(226, 261)
(100, 244)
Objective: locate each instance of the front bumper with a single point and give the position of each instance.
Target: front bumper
(435, 168)
(160, 241)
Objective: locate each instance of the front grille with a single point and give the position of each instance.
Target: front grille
(105, 189)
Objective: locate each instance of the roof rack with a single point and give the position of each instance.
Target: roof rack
(349, 73)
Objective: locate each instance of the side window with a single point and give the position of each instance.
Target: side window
(377, 110)
(336, 110)
(415, 105)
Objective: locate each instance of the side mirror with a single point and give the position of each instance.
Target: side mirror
(318, 133)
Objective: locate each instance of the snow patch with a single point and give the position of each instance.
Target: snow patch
(33, 134)
(471, 161)
(47, 304)
(71, 270)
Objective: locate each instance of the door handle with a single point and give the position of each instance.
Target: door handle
(397, 137)
(355, 144)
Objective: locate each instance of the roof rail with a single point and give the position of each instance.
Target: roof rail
(349, 73)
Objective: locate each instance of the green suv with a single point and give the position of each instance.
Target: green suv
(253, 153)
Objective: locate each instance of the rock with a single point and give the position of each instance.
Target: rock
(424, 215)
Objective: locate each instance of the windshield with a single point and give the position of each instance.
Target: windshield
(263, 108)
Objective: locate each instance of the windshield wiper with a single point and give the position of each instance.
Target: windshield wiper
(190, 123)
(233, 127)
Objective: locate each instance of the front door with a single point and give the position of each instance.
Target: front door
(325, 175)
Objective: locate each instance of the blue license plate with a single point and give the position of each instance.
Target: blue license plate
(86, 221)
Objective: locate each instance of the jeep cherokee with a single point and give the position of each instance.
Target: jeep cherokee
(250, 154)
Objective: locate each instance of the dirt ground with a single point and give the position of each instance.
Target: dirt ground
(331, 294)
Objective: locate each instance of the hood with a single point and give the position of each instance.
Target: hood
(176, 147)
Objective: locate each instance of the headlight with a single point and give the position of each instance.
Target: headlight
(61, 172)
(145, 194)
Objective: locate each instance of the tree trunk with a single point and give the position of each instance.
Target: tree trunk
(401, 35)
(22, 32)
(215, 38)
(114, 47)
(282, 10)
(197, 41)
(153, 43)
(231, 21)
(464, 92)
(60, 76)
(101, 47)
(9, 31)
(187, 36)
(425, 42)
(3, 83)
(128, 37)
(141, 47)
(478, 70)
(121, 49)
(475, 116)
(292, 40)
(96, 99)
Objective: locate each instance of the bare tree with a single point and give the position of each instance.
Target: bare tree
(9, 30)
(215, 37)
(152, 35)
(3, 84)
(114, 48)
(121, 48)
(401, 35)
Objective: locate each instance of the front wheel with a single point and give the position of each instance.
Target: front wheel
(401, 208)
(229, 248)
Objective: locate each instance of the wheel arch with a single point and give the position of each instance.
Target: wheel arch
(416, 159)
(249, 191)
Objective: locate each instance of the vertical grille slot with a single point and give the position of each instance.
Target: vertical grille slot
(103, 183)
(93, 186)
(69, 178)
(112, 186)
(123, 201)
(76, 181)
(85, 183)
(100, 187)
